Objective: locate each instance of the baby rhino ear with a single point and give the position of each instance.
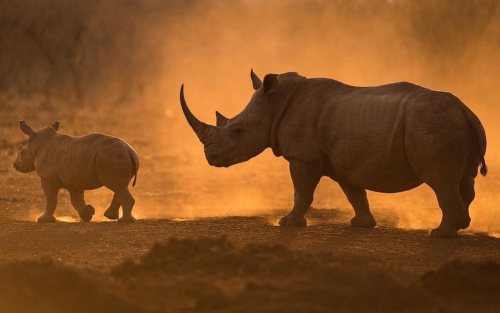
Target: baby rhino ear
(26, 129)
(55, 125)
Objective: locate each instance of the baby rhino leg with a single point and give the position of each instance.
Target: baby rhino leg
(50, 190)
(113, 211)
(127, 202)
(85, 211)
(114, 170)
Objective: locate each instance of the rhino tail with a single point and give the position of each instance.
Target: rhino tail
(478, 129)
(484, 167)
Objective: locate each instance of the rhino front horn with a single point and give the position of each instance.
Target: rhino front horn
(201, 129)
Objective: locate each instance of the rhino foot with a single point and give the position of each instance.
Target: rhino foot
(86, 213)
(293, 219)
(444, 231)
(46, 219)
(463, 222)
(127, 219)
(364, 221)
(112, 214)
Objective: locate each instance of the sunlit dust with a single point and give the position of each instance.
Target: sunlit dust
(68, 219)
(211, 47)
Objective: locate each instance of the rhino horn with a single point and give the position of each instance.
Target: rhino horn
(256, 82)
(201, 129)
(221, 120)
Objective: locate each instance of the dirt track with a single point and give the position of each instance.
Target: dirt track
(99, 246)
(258, 267)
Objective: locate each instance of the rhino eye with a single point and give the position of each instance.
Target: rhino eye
(236, 132)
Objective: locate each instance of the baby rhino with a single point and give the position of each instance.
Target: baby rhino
(78, 164)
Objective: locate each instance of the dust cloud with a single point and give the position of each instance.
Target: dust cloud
(130, 58)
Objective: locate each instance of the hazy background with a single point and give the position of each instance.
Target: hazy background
(116, 67)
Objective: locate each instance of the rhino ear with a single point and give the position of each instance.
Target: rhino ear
(221, 119)
(55, 125)
(270, 83)
(256, 82)
(26, 129)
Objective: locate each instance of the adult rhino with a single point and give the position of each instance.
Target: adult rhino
(388, 138)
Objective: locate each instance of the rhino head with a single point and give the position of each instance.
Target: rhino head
(25, 161)
(237, 139)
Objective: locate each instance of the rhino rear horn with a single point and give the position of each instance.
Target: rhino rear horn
(256, 82)
(221, 120)
(201, 129)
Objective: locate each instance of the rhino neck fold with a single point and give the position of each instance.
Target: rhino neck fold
(277, 114)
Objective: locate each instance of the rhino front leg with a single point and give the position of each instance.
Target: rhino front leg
(78, 201)
(357, 197)
(50, 190)
(305, 178)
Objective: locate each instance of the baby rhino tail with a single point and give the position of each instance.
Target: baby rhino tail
(135, 164)
(478, 129)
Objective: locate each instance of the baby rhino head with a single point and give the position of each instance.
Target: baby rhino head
(25, 161)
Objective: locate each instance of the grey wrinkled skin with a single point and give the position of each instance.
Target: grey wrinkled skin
(78, 164)
(388, 138)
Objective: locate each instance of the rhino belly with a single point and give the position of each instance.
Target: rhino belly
(83, 179)
(364, 138)
(374, 171)
(375, 160)
(92, 182)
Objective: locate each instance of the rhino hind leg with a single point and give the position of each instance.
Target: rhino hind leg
(127, 202)
(357, 197)
(85, 211)
(113, 212)
(113, 171)
(467, 191)
(455, 215)
(305, 178)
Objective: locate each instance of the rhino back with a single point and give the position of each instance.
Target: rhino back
(72, 160)
(358, 132)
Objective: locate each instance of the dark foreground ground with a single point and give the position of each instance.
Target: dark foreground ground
(177, 258)
(242, 264)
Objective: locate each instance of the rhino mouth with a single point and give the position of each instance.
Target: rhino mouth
(211, 145)
(217, 161)
(215, 157)
(22, 169)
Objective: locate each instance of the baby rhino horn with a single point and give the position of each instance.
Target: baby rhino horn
(55, 125)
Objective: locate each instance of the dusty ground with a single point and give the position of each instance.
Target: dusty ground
(222, 262)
